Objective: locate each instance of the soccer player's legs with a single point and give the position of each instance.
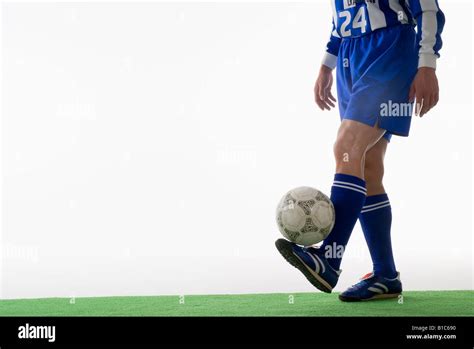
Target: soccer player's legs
(370, 74)
(321, 265)
(376, 220)
(376, 215)
(348, 192)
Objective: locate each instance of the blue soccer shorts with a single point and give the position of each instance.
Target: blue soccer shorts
(374, 75)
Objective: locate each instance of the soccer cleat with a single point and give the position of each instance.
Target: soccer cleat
(311, 262)
(372, 287)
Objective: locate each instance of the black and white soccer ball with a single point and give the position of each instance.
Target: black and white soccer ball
(305, 216)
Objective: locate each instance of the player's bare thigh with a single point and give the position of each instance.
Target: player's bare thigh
(354, 139)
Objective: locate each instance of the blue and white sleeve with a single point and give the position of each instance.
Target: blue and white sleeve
(332, 49)
(430, 23)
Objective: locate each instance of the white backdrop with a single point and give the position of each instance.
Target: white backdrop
(145, 147)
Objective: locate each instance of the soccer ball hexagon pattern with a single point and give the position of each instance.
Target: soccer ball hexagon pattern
(305, 216)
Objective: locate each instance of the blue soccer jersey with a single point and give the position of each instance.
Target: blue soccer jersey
(355, 18)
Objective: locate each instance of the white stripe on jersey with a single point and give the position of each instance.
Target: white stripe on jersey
(398, 9)
(376, 15)
(335, 18)
(429, 23)
(429, 5)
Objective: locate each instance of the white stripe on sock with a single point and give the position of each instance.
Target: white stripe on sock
(351, 185)
(377, 204)
(345, 187)
(375, 208)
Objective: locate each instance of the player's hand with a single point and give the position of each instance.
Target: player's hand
(425, 90)
(322, 89)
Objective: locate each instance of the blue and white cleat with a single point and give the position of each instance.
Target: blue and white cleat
(372, 287)
(311, 262)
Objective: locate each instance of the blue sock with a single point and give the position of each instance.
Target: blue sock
(376, 220)
(348, 196)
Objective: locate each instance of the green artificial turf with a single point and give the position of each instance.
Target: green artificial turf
(415, 303)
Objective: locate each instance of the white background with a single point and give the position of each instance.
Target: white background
(145, 147)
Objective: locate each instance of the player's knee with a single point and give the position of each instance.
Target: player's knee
(347, 149)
